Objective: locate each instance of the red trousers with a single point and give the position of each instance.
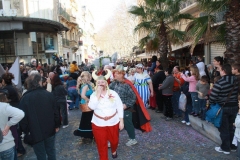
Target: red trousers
(104, 134)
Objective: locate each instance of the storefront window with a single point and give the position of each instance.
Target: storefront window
(49, 42)
(7, 47)
(1, 4)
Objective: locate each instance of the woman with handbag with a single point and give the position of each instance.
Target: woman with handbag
(85, 126)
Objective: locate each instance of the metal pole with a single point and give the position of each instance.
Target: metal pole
(15, 41)
(37, 54)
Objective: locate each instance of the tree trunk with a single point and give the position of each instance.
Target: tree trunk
(163, 45)
(233, 32)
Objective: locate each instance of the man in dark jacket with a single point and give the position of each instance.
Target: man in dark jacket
(41, 118)
(219, 94)
(157, 79)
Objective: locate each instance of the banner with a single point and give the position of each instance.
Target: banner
(15, 70)
(2, 71)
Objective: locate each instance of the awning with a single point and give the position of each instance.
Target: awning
(176, 47)
(35, 24)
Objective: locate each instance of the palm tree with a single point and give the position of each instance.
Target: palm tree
(227, 32)
(157, 20)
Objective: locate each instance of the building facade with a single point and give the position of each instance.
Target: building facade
(29, 29)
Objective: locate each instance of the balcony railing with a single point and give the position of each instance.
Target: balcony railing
(73, 44)
(64, 13)
(187, 3)
(65, 42)
(219, 16)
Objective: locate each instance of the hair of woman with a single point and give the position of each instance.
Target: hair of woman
(7, 77)
(195, 72)
(219, 59)
(55, 81)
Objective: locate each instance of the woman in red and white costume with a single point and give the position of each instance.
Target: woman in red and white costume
(108, 116)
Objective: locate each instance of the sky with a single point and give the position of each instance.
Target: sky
(102, 10)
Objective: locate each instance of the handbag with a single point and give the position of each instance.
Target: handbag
(182, 102)
(214, 114)
(28, 139)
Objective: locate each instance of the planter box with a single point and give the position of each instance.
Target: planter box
(205, 128)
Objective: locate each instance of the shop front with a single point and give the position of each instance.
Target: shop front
(28, 38)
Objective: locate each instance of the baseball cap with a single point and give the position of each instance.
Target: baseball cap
(139, 65)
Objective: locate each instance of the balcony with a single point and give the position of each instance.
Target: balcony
(219, 16)
(187, 3)
(73, 44)
(10, 12)
(65, 42)
(73, 19)
(64, 14)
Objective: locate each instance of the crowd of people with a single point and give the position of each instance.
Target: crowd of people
(108, 99)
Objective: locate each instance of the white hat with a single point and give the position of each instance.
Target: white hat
(139, 65)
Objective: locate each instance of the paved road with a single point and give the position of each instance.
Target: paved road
(169, 140)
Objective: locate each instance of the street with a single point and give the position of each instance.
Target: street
(169, 140)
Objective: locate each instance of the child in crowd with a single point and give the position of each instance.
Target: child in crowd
(202, 89)
(237, 133)
(236, 72)
(193, 79)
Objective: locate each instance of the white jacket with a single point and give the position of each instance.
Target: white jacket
(16, 115)
(201, 68)
(237, 130)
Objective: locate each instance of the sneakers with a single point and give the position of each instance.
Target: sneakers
(131, 142)
(187, 123)
(218, 149)
(65, 126)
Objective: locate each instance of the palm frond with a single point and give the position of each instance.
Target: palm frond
(179, 17)
(211, 6)
(201, 27)
(143, 27)
(137, 11)
(220, 34)
(142, 42)
(152, 45)
(176, 36)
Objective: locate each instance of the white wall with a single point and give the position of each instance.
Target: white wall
(41, 9)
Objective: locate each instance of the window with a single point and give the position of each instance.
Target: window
(1, 4)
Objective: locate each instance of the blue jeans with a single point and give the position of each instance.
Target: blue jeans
(202, 106)
(194, 96)
(45, 148)
(187, 112)
(8, 154)
(175, 101)
(73, 94)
